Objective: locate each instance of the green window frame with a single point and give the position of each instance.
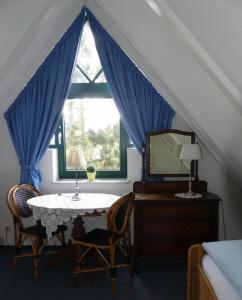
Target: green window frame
(90, 90)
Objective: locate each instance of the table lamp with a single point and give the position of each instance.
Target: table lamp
(75, 162)
(190, 152)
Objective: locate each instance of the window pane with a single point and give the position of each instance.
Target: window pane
(101, 78)
(52, 141)
(88, 59)
(78, 77)
(92, 126)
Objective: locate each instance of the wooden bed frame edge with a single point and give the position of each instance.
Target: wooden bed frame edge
(198, 285)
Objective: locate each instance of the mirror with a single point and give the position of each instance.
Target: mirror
(163, 150)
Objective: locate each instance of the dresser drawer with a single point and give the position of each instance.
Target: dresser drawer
(169, 247)
(156, 212)
(174, 228)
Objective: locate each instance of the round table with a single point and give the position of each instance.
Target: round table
(56, 209)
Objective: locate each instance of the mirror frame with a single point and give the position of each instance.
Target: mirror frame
(153, 133)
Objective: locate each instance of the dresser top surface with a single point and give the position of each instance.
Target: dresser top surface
(169, 196)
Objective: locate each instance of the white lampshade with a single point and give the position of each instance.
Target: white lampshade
(83, 162)
(74, 159)
(190, 152)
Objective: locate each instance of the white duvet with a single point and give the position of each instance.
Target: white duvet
(221, 286)
(227, 255)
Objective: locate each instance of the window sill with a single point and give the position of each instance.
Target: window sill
(96, 181)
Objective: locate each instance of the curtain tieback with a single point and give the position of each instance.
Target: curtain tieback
(28, 167)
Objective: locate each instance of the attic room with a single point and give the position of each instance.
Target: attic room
(109, 88)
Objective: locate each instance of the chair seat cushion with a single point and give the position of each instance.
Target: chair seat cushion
(98, 236)
(39, 230)
(35, 230)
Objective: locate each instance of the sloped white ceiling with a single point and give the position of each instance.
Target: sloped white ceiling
(174, 58)
(217, 26)
(15, 25)
(190, 51)
(28, 31)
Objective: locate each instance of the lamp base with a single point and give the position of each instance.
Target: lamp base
(188, 195)
(76, 198)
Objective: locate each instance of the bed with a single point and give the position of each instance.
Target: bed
(208, 281)
(198, 285)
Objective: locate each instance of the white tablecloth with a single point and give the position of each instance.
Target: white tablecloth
(54, 210)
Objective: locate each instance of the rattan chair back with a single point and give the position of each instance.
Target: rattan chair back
(17, 198)
(119, 214)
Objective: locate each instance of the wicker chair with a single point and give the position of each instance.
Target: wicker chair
(101, 240)
(16, 199)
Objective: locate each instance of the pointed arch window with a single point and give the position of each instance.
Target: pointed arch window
(90, 121)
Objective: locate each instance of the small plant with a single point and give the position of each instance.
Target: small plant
(91, 173)
(91, 169)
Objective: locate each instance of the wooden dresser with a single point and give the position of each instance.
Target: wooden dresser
(165, 225)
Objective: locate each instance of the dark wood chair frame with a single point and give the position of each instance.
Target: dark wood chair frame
(21, 237)
(118, 237)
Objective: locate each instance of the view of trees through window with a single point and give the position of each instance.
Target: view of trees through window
(91, 125)
(92, 128)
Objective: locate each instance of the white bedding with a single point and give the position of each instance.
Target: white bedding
(221, 286)
(227, 255)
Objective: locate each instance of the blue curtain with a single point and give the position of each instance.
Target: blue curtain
(140, 106)
(33, 117)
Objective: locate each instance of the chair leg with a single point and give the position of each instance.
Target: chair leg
(35, 242)
(81, 255)
(18, 248)
(125, 248)
(114, 285)
(18, 244)
(128, 256)
(36, 267)
(112, 269)
(77, 269)
(76, 275)
(129, 261)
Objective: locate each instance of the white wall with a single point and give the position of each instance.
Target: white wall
(221, 184)
(9, 175)
(209, 169)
